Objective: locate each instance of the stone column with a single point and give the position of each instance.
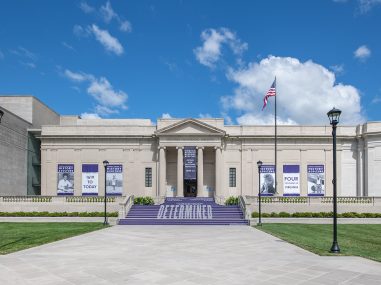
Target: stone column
(200, 172)
(162, 172)
(180, 174)
(218, 184)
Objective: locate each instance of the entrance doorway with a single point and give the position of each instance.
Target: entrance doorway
(190, 188)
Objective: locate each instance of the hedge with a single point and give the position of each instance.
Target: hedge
(231, 201)
(144, 201)
(315, 215)
(57, 214)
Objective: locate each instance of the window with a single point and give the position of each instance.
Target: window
(232, 177)
(148, 177)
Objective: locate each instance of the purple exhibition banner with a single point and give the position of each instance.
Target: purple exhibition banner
(89, 179)
(291, 186)
(267, 176)
(114, 179)
(316, 180)
(190, 163)
(65, 179)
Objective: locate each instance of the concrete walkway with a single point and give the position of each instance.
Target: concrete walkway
(187, 255)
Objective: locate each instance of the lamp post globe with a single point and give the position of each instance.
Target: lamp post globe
(259, 164)
(105, 164)
(334, 118)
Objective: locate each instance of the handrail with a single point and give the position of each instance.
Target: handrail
(125, 206)
(242, 205)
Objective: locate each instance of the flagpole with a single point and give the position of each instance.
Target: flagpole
(275, 148)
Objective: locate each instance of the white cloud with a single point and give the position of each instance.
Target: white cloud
(362, 53)
(29, 64)
(366, 5)
(204, 116)
(105, 94)
(109, 42)
(105, 111)
(66, 45)
(376, 99)
(80, 31)
(125, 26)
(211, 50)
(86, 8)
(166, 116)
(109, 100)
(337, 69)
(90, 116)
(25, 53)
(305, 92)
(107, 12)
(76, 76)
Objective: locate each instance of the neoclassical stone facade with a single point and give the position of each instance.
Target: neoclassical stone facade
(152, 156)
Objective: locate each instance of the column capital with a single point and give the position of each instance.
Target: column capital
(179, 147)
(199, 147)
(162, 147)
(217, 147)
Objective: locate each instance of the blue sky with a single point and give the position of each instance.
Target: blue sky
(148, 59)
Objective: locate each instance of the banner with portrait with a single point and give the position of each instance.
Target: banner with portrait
(89, 179)
(114, 179)
(65, 179)
(316, 180)
(291, 178)
(267, 176)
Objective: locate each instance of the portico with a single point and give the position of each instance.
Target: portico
(200, 137)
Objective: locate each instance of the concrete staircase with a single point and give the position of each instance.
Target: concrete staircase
(185, 211)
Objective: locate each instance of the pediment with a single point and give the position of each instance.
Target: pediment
(190, 127)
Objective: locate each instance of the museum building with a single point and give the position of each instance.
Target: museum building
(44, 153)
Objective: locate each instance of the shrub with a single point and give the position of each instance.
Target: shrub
(284, 215)
(144, 201)
(57, 214)
(231, 201)
(316, 215)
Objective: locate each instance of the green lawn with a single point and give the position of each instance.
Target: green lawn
(359, 240)
(18, 236)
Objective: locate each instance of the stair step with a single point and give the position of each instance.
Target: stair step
(221, 215)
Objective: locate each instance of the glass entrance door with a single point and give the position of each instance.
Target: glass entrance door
(190, 188)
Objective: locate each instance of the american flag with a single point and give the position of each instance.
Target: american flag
(271, 92)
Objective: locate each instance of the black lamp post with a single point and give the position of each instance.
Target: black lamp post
(105, 163)
(1, 115)
(334, 116)
(259, 163)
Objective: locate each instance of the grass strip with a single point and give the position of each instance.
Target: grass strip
(356, 240)
(19, 236)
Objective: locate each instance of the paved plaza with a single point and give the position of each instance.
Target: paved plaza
(186, 255)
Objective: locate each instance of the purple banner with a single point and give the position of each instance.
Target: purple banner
(89, 179)
(89, 167)
(267, 176)
(316, 180)
(114, 179)
(291, 186)
(190, 163)
(65, 179)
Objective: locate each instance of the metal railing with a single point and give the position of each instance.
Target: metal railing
(242, 204)
(58, 199)
(315, 200)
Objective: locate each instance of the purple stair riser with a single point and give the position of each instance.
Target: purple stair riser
(221, 215)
